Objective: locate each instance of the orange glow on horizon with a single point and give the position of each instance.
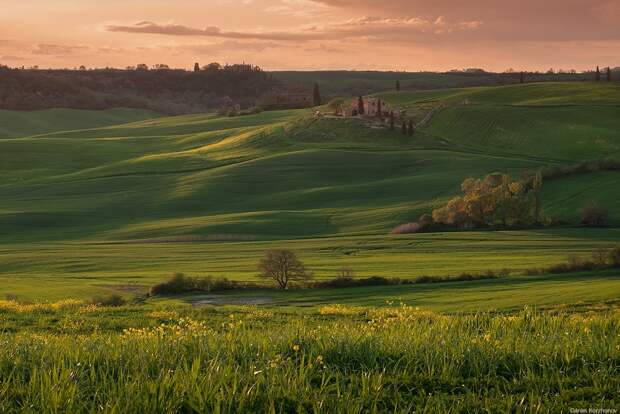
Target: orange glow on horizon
(407, 35)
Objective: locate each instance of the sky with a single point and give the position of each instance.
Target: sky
(399, 35)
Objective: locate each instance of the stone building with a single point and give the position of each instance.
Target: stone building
(371, 107)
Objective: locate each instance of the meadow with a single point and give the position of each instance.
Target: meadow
(73, 357)
(113, 202)
(54, 271)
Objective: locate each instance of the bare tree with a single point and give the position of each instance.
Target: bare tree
(346, 272)
(600, 256)
(593, 215)
(282, 266)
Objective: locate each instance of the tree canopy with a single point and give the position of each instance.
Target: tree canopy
(495, 199)
(282, 266)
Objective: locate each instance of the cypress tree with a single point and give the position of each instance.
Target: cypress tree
(404, 128)
(608, 74)
(397, 86)
(522, 80)
(196, 67)
(410, 129)
(598, 74)
(392, 120)
(360, 106)
(379, 109)
(316, 95)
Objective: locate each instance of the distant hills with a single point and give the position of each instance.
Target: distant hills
(173, 92)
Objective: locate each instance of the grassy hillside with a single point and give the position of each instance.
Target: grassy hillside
(14, 124)
(286, 176)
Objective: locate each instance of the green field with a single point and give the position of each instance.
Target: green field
(111, 203)
(70, 269)
(15, 124)
(72, 357)
(131, 201)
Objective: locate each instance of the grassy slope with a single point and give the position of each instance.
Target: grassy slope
(15, 124)
(282, 175)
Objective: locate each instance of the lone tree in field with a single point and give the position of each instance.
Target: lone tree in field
(594, 215)
(392, 120)
(608, 74)
(360, 106)
(379, 109)
(410, 128)
(196, 67)
(522, 77)
(316, 95)
(282, 266)
(397, 86)
(598, 74)
(404, 128)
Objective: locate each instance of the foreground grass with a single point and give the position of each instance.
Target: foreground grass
(70, 357)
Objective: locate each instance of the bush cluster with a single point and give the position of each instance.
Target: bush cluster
(602, 258)
(607, 164)
(179, 283)
(111, 300)
(344, 282)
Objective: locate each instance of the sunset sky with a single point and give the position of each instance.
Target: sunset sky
(313, 34)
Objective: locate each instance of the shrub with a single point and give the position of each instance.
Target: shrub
(179, 283)
(341, 282)
(600, 256)
(425, 220)
(346, 272)
(111, 300)
(593, 215)
(614, 256)
(408, 228)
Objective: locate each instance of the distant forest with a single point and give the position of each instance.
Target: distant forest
(212, 87)
(163, 90)
(356, 83)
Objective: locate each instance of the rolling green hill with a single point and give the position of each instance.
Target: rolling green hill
(284, 175)
(15, 124)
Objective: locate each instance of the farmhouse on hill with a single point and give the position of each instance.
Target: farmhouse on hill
(370, 107)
